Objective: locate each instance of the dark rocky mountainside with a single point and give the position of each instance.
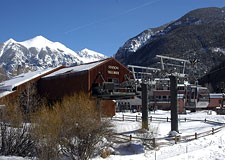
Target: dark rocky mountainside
(200, 34)
(215, 79)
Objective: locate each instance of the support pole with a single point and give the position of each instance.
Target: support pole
(222, 99)
(184, 67)
(98, 108)
(173, 103)
(144, 107)
(162, 63)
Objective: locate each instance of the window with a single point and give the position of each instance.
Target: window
(164, 97)
(114, 80)
(180, 88)
(158, 98)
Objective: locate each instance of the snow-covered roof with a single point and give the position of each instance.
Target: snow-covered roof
(162, 79)
(6, 87)
(180, 96)
(74, 69)
(216, 95)
(134, 101)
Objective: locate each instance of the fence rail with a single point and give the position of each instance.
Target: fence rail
(168, 140)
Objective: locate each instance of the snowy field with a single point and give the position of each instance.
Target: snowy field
(211, 147)
(163, 127)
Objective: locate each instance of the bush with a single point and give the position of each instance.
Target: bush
(15, 136)
(29, 100)
(147, 137)
(16, 141)
(70, 128)
(11, 114)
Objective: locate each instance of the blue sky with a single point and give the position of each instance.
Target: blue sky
(99, 25)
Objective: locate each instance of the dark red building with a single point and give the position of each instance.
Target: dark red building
(11, 88)
(67, 81)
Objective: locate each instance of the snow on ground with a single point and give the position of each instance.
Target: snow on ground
(206, 148)
(163, 127)
(11, 158)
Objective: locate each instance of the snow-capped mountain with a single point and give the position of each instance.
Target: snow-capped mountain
(40, 53)
(86, 54)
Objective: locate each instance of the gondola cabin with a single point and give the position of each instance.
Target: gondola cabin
(196, 97)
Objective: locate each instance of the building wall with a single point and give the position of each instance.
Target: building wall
(160, 103)
(111, 68)
(108, 108)
(215, 102)
(164, 104)
(55, 88)
(180, 103)
(59, 86)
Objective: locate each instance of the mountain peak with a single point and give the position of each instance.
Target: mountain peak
(41, 53)
(89, 52)
(38, 42)
(85, 50)
(10, 41)
(40, 38)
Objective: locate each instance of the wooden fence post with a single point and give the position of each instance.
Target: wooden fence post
(130, 137)
(136, 118)
(150, 118)
(154, 143)
(212, 130)
(175, 139)
(123, 117)
(185, 119)
(205, 120)
(196, 136)
(167, 119)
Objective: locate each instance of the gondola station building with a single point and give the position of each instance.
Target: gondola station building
(66, 81)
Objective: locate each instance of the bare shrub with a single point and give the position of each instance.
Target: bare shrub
(29, 99)
(3, 75)
(15, 137)
(147, 137)
(70, 128)
(16, 141)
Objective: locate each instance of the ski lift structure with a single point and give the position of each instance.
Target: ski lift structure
(114, 91)
(171, 75)
(195, 96)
